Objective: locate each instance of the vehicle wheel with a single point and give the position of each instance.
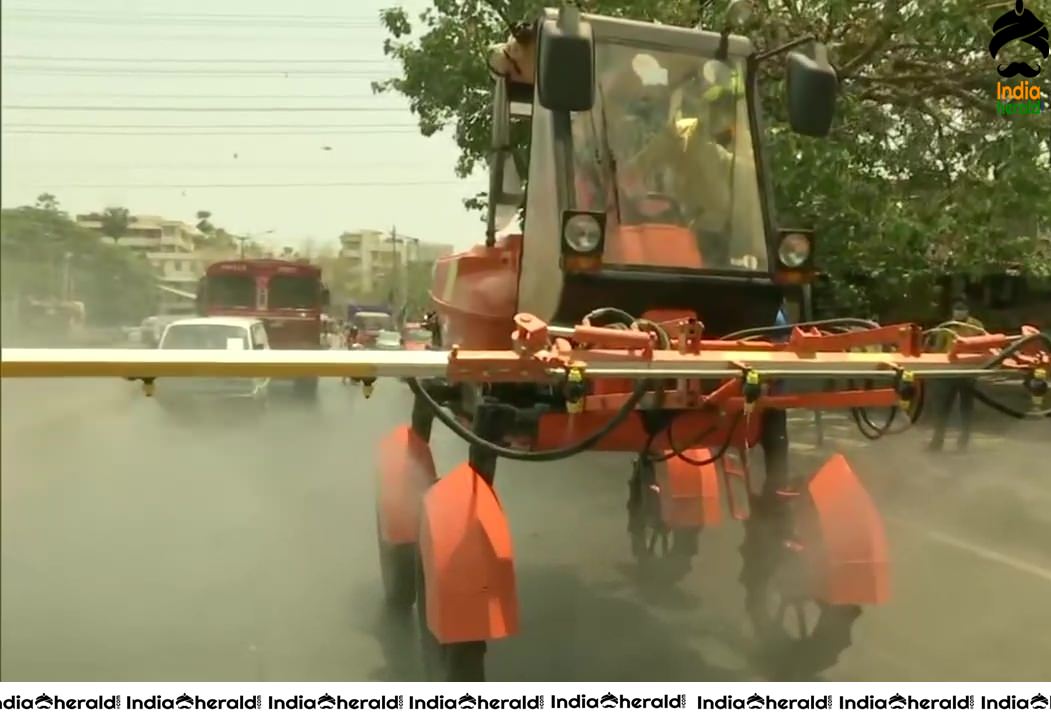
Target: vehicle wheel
(454, 662)
(661, 552)
(798, 636)
(398, 570)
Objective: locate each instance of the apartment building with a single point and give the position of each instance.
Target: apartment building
(170, 246)
(371, 257)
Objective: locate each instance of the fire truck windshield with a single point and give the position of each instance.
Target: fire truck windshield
(293, 291)
(669, 142)
(231, 291)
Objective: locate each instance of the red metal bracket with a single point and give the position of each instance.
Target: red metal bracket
(530, 334)
(907, 338)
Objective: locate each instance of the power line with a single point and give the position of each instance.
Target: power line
(373, 183)
(259, 126)
(252, 61)
(80, 12)
(188, 23)
(79, 71)
(229, 133)
(159, 108)
(196, 96)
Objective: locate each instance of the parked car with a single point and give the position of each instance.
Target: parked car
(234, 334)
(416, 336)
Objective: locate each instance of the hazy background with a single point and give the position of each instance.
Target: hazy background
(300, 72)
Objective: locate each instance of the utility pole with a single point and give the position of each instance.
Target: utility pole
(394, 265)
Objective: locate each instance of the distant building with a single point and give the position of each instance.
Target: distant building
(370, 258)
(171, 248)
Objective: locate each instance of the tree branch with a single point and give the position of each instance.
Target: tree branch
(500, 12)
(882, 37)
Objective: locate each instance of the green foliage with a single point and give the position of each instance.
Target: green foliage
(215, 238)
(919, 176)
(41, 244)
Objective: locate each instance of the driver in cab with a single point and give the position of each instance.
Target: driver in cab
(695, 156)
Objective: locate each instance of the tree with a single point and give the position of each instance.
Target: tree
(47, 201)
(920, 175)
(203, 222)
(214, 238)
(116, 285)
(114, 222)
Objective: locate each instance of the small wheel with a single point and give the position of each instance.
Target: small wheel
(453, 662)
(798, 635)
(398, 570)
(656, 547)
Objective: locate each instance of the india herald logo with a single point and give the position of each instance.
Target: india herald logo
(1019, 25)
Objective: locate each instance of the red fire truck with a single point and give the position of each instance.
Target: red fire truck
(287, 295)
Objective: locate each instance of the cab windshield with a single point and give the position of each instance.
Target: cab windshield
(374, 322)
(204, 337)
(667, 154)
(232, 291)
(293, 291)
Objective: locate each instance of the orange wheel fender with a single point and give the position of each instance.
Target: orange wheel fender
(845, 533)
(468, 564)
(406, 470)
(689, 494)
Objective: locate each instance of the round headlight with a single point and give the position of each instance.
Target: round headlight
(582, 233)
(794, 250)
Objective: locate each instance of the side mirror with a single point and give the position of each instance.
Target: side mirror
(812, 88)
(565, 73)
(326, 297)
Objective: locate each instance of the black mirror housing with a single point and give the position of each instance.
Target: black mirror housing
(565, 73)
(812, 90)
(326, 297)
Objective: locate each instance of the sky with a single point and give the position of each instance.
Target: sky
(231, 69)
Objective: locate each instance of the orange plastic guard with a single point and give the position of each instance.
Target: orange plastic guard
(847, 537)
(689, 494)
(468, 564)
(406, 470)
(656, 245)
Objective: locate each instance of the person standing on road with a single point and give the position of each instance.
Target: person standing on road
(962, 324)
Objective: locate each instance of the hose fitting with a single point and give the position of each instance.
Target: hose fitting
(751, 389)
(1036, 384)
(574, 390)
(906, 388)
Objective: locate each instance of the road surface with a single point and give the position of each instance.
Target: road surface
(135, 548)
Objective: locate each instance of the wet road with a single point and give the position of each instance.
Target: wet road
(134, 548)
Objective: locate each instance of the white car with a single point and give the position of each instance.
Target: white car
(389, 340)
(234, 334)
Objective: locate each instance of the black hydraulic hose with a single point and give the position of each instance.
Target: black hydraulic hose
(1012, 348)
(716, 456)
(997, 361)
(781, 329)
(500, 451)
(1010, 412)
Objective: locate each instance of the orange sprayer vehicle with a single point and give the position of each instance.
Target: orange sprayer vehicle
(288, 296)
(635, 311)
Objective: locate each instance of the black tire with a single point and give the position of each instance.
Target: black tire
(773, 563)
(398, 571)
(663, 554)
(455, 662)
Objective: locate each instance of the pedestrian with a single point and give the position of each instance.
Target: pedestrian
(961, 324)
